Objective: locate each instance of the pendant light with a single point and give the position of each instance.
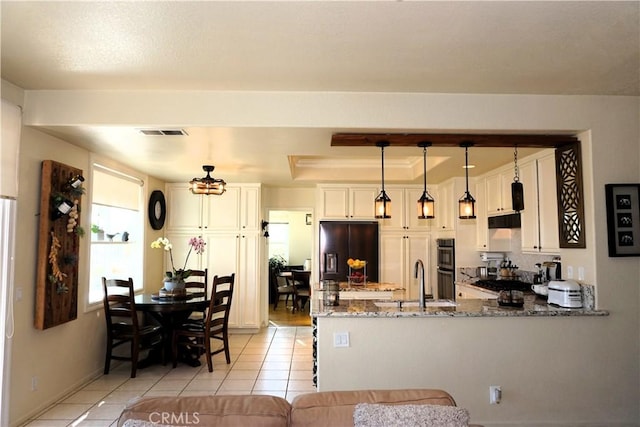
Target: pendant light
(467, 204)
(517, 191)
(426, 204)
(383, 202)
(207, 185)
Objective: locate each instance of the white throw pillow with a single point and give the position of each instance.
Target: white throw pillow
(142, 423)
(377, 415)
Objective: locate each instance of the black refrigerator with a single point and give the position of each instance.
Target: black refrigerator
(341, 240)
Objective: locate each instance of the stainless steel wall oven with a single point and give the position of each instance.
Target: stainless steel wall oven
(446, 260)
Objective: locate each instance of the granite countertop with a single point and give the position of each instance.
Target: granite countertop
(533, 306)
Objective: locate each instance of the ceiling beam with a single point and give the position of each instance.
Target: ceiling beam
(451, 140)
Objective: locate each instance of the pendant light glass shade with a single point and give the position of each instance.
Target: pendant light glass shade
(382, 202)
(426, 204)
(207, 185)
(466, 204)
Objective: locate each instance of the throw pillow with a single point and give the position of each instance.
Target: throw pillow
(378, 415)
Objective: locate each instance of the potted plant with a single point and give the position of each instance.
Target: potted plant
(99, 232)
(277, 263)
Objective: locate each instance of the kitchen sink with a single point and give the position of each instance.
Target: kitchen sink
(407, 304)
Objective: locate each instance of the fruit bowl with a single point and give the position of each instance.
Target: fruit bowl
(356, 264)
(357, 278)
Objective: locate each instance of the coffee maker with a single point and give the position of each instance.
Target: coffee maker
(541, 276)
(553, 269)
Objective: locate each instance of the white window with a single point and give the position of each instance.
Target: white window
(279, 240)
(117, 228)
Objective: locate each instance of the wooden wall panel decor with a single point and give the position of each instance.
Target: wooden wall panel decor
(570, 196)
(58, 245)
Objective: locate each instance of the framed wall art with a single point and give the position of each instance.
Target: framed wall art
(623, 219)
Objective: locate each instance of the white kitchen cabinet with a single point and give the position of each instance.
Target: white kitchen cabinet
(184, 209)
(398, 254)
(347, 202)
(222, 213)
(230, 226)
(238, 253)
(499, 192)
(482, 225)
(540, 215)
(237, 208)
(404, 215)
(446, 206)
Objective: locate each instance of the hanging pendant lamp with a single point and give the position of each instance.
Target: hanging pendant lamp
(466, 204)
(207, 185)
(426, 204)
(517, 190)
(383, 202)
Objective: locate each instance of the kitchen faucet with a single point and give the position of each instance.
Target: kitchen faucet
(420, 266)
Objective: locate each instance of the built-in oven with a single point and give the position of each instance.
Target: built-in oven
(446, 260)
(446, 254)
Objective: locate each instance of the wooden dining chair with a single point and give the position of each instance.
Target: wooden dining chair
(302, 289)
(198, 334)
(123, 325)
(198, 282)
(283, 287)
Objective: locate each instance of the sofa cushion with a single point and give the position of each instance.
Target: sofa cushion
(225, 411)
(333, 408)
(376, 415)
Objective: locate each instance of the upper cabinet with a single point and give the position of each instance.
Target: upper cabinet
(540, 214)
(184, 209)
(482, 226)
(347, 202)
(498, 187)
(404, 210)
(237, 209)
(446, 206)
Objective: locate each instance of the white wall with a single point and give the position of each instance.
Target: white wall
(553, 371)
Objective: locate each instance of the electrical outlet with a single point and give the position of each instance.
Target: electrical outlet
(34, 383)
(580, 273)
(18, 293)
(341, 339)
(495, 394)
(569, 272)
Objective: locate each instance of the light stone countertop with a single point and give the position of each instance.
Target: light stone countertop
(533, 307)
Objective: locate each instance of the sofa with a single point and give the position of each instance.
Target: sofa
(331, 408)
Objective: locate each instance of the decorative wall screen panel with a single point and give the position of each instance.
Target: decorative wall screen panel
(570, 196)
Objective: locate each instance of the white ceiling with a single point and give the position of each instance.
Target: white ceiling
(573, 47)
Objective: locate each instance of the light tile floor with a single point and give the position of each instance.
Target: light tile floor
(275, 361)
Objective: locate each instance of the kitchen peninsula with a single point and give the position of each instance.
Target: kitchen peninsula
(463, 348)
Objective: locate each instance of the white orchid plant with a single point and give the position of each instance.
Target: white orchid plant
(196, 244)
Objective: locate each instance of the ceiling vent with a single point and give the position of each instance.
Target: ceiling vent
(164, 132)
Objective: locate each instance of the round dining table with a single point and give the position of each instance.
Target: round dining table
(169, 312)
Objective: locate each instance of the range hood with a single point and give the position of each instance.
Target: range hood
(505, 221)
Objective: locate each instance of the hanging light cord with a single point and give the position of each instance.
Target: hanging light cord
(424, 167)
(516, 178)
(466, 169)
(382, 149)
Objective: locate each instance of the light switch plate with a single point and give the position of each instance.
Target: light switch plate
(341, 339)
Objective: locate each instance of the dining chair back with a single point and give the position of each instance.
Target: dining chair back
(302, 289)
(215, 325)
(284, 286)
(123, 324)
(198, 282)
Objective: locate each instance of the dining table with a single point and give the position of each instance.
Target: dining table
(170, 311)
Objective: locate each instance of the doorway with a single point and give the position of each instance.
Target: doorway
(290, 245)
